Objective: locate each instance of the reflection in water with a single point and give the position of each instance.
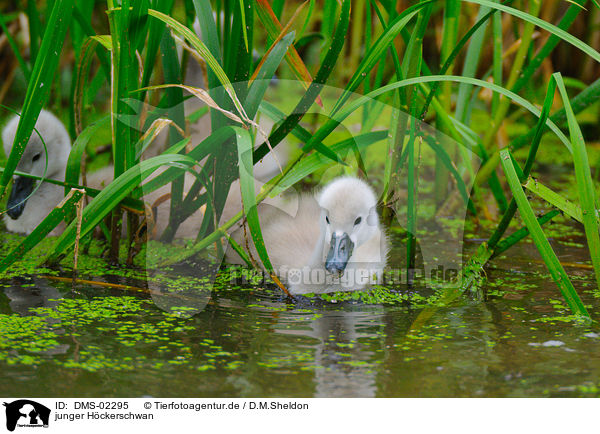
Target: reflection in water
(38, 294)
(342, 365)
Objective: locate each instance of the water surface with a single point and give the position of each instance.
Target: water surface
(249, 342)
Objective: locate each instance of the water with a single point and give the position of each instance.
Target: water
(107, 342)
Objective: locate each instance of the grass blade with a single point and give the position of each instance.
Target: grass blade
(15, 48)
(315, 87)
(471, 62)
(274, 28)
(445, 159)
(512, 207)
(38, 89)
(554, 266)
(262, 76)
(379, 47)
(35, 27)
(544, 52)
(89, 47)
(204, 52)
(583, 176)
(317, 161)
(175, 113)
(246, 166)
(569, 208)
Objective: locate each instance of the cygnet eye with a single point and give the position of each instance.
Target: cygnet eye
(36, 157)
(357, 221)
(327, 219)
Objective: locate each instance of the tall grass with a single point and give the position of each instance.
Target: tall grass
(133, 48)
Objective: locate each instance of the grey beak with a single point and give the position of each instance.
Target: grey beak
(21, 189)
(339, 254)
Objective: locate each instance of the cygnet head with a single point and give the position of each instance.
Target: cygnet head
(33, 160)
(348, 218)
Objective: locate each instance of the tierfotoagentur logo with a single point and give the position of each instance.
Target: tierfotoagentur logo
(25, 413)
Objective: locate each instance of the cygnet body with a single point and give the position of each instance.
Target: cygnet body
(333, 243)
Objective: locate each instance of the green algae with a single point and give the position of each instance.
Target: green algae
(126, 322)
(24, 339)
(377, 295)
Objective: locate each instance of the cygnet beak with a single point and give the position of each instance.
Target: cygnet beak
(21, 189)
(339, 254)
